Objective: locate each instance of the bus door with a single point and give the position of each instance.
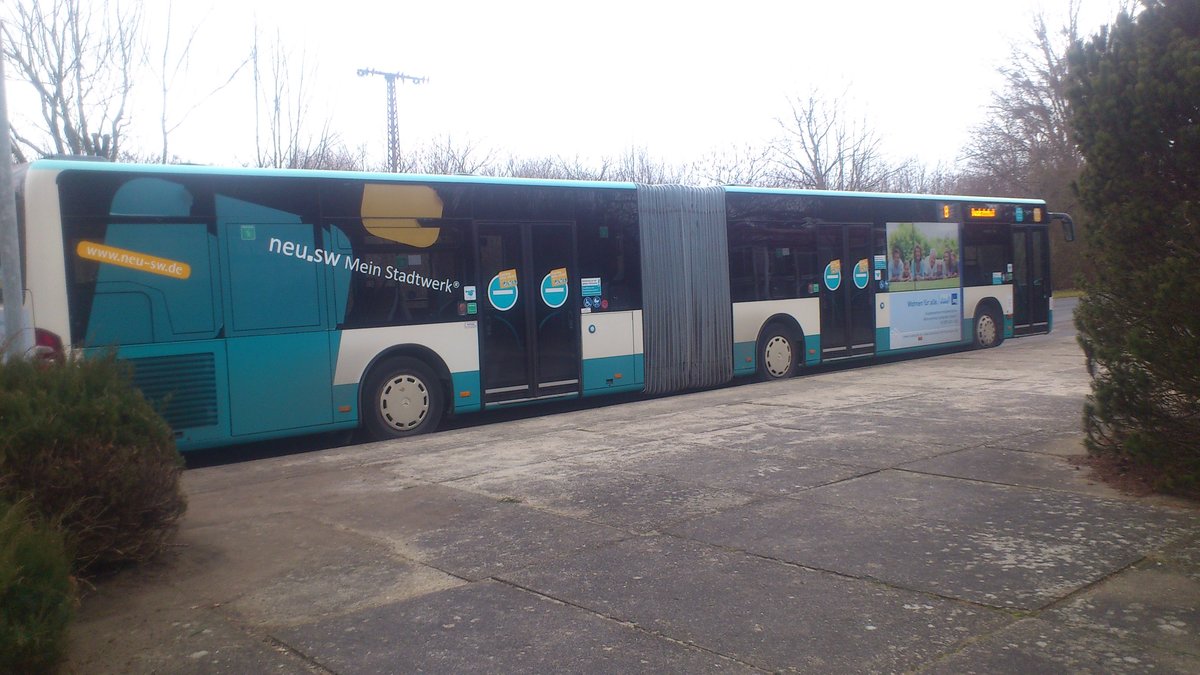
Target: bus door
(847, 294)
(1031, 280)
(528, 321)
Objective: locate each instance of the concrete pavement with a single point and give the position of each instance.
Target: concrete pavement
(910, 516)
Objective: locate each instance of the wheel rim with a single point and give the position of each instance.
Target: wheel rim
(404, 402)
(777, 357)
(987, 330)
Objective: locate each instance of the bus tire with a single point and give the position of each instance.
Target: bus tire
(403, 397)
(777, 351)
(989, 331)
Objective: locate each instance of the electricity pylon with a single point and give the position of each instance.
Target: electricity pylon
(393, 130)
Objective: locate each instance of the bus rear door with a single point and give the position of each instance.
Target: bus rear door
(528, 319)
(1031, 279)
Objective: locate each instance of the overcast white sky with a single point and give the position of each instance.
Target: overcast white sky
(535, 77)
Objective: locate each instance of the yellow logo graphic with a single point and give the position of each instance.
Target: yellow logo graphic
(558, 277)
(393, 212)
(508, 278)
(133, 260)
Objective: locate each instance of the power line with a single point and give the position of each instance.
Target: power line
(392, 126)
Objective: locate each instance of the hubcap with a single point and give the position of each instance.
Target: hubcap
(404, 402)
(777, 357)
(987, 330)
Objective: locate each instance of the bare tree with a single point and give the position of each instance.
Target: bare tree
(174, 63)
(636, 165)
(445, 156)
(822, 148)
(79, 57)
(562, 168)
(916, 178)
(330, 153)
(738, 165)
(1026, 146)
(282, 138)
(1026, 141)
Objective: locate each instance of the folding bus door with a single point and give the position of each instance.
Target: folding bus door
(529, 321)
(847, 294)
(1031, 280)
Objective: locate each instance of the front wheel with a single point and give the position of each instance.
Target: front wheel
(776, 354)
(403, 397)
(988, 329)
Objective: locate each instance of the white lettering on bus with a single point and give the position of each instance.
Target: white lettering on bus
(317, 255)
(418, 279)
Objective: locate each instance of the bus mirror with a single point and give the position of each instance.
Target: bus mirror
(1068, 225)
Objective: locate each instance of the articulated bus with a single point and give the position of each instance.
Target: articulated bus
(256, 304)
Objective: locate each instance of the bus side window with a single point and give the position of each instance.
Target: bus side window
(610, 250)
(141, 262)
(274, 281)
(771, 261)
(161, 301)
(987, 252)
(390, 283)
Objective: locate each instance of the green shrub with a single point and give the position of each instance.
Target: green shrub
(81, 444)
(37, 594)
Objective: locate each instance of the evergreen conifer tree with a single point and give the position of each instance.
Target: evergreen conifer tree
(1136, 112)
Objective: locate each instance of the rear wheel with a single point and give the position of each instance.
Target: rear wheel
(988, 330)
(403, 397)
(776, 354)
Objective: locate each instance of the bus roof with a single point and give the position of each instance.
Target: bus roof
(745, 189)
(205, 170)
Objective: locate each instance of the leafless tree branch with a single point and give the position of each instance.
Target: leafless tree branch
(820, 148)
(79, 58)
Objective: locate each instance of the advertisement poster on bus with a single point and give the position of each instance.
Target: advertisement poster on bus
(925, 281)
(922, 318)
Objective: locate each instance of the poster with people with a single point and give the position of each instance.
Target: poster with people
(924, 278)
(922, 256)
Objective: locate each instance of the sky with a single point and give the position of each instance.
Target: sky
(539, 78)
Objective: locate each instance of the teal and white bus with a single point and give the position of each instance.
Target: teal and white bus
(256, 304)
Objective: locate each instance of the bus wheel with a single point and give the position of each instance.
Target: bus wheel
(776, 354)
(403, 398)
(988, 332)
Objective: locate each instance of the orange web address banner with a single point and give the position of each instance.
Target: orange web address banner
(133, 260)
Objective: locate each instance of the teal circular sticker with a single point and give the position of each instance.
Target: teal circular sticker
(554, 289)
(833, 275)
(860, 274)
(502, 295)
